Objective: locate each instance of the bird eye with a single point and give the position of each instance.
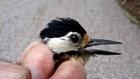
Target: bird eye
(74, 38)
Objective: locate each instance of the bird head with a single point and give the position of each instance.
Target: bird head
(65, 34)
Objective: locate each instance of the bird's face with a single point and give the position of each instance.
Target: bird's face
(70, 41)
(65, 34)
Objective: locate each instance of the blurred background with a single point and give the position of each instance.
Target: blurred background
(22, 20)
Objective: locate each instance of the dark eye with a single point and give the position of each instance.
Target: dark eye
(74, 38)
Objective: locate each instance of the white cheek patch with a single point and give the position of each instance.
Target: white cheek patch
(59, 45)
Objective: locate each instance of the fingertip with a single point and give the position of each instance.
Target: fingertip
(39, 59)
(33, 46)
(70, 70)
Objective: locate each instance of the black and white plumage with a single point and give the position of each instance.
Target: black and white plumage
(64, 34)
(60, 27)
(68, 39)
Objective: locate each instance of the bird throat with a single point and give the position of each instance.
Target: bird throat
(74, 55)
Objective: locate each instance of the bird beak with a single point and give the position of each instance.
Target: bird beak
(95, 42)
(100, 52)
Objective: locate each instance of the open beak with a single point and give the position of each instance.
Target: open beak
(94, 42)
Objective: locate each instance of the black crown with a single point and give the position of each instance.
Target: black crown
(60, 27)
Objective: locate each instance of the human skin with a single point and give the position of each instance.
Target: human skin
(36, 62)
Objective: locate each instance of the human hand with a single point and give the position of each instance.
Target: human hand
(39, 59)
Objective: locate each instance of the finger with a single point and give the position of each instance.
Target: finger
(70, 70)
(12, 71)
(23, 55)
(39, 59)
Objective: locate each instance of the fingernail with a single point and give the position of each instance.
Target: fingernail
(26, 74)
(36, 74)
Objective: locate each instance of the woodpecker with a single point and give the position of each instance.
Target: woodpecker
(69, 40)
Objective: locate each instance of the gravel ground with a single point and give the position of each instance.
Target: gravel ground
(22, 20)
